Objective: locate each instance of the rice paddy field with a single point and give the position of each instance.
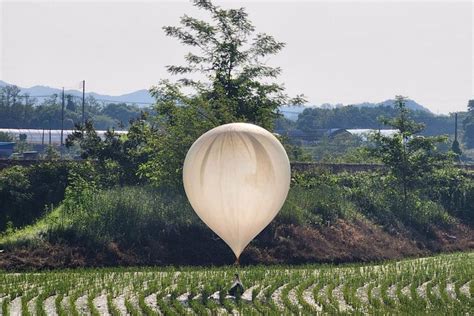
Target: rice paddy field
(434, 285)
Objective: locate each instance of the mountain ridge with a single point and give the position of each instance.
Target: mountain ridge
(142, 98)
(139, 97)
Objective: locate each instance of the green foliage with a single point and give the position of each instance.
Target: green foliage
(342, 148)
(237, 87)
(453, 188)
(19, 110)
(456, 149)
(121, 112)
(468, 125)
(126, 215)
(444, 280)
(231, 56)
(22, 145)
(378, 198)
(411, 159)
(26, 191)
(469, 134)
(120, 155)
(51, 153)
(314, 199)
(314, 119)
(295, 152)
(4, 137)
(87, 139)
(167, 145)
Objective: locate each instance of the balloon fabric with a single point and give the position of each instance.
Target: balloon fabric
(236, 177)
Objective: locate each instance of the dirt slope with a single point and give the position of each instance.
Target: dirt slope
(343, 241)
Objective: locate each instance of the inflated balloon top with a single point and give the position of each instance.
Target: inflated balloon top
(237, 177)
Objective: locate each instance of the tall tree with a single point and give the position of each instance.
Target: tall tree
(228, 79)
(231, 57)
(410, 158)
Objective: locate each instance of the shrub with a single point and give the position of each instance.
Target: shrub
(377, 197)
(316, 198)
(26, 191)
(127, 215)
(453, 188)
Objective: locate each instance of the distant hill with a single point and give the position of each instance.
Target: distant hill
(291, 112)
(143, 98)
(139, 97)
(412, 105)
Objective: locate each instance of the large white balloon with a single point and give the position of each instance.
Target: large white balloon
(237, 177)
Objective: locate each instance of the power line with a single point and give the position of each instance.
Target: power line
(133, 102)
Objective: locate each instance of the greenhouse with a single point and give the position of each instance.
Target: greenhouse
(46, 136)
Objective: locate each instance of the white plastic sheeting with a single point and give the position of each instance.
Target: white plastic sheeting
(46, 136)
(237, 177)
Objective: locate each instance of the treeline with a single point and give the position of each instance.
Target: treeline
(370, 117)
(19, 110)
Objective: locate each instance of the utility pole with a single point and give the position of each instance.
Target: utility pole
(83, 102)
(455, 146)
(455, 127)
(62, 118)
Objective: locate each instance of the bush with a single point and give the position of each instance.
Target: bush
(316, 198)
(139, 215)
(453, 188)
(97, 212)
(26, 191)
(126, 215)
(379, 198)
(372, 196)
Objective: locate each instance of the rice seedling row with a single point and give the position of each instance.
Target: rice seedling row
(441, 284)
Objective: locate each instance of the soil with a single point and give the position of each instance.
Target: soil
(341, 242)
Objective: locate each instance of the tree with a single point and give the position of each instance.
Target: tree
(5, 137)
(118, 154)
(409, 157)
(51, 153)
(70, 104)
(231, 57)
(22, 145)
(456, 149)
(470, 105)
(468, 124)
(236, 86)
(121, 112)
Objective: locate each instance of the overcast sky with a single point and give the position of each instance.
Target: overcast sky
(337, 52)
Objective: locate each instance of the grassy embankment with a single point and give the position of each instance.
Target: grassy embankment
(326, 218)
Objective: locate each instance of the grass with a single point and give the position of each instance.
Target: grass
(279, 289)
(34, 232)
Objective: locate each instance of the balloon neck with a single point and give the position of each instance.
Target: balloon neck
(237, 262)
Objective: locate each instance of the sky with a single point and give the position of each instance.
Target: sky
(336, 52)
